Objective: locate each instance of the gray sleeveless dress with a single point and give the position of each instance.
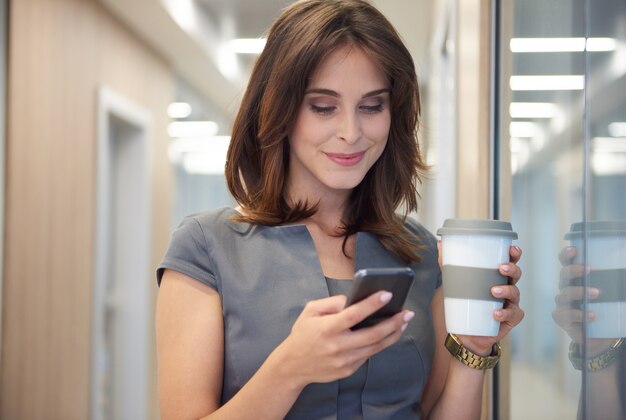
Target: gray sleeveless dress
(265, 275)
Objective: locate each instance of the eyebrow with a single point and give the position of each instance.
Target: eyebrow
(336, 94)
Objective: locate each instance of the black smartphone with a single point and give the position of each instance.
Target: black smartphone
(397, 280)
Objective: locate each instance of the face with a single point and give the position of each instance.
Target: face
(341, 128)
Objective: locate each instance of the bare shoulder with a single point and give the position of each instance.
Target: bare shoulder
(190, 337)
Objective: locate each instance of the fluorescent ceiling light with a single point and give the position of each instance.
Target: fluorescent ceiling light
(198, 129)
(606, 164)
(560, 82)
(179, 110)
(601, 44)
(247, 45)
(532, 110)
(522, 129)
(183, 12)
(516, 145)
(617, 129)
(609, 144)
(525, 45)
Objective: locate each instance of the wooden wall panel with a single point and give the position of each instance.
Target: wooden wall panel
(61, 51)
(473, 39)
(473, 100)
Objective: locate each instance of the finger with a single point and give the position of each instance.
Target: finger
(376, 333)
(515, 253)
(571, 272)
(326, 306)
(573, 294)
(567, 255)
(357, 312)
(512, 271)
(439, 252)
(508, 292)
(376, 344)
(571, 320)
(511, 315)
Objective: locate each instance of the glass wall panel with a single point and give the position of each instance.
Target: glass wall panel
(606, 209)
(200, 134)
(564, 93)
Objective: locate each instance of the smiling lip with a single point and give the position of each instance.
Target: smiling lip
(346, 159)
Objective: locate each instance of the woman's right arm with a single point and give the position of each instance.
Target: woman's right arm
(320, 348)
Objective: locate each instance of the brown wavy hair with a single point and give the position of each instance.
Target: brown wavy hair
(258, 156)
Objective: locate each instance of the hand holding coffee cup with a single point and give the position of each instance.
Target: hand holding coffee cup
(472, 252)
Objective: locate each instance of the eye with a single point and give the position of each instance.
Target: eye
(372, 109)
(323, 110)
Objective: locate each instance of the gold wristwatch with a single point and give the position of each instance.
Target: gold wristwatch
(470, 359)
(599, 361)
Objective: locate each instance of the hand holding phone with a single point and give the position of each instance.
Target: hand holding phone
(397, 280)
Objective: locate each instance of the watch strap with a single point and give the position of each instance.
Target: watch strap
(597, 362)
(468, 358)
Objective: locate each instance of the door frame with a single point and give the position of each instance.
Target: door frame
(114, 107)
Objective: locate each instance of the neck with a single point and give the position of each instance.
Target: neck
(330, 212)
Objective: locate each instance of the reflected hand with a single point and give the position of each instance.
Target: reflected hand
(567, 312)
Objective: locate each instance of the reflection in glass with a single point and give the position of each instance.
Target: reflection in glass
(605, 386)
(567, 110)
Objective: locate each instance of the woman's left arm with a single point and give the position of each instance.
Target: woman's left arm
(454, 390)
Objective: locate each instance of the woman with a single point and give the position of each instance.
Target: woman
(251, 317)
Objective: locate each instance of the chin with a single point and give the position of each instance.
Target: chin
(345, 183)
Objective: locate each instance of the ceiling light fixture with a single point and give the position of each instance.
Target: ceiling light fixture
(523, 129)
(608, 164)
(617, 129)
(609, 144)
(247, 45)
(532, 110)
(533, 45)
(179, 110)
(560, 82)
(193, 129)
(183, 12)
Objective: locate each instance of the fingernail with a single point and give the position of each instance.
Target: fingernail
(499, 313)
(505, 268)
(403, 327)
(497, 291)
(592, 292)
(408, 316)
(386, 297)
(518, 249)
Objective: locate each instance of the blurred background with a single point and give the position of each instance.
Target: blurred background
(115, 117)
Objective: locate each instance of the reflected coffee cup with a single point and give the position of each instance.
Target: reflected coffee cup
(472, 251)
(606, 258)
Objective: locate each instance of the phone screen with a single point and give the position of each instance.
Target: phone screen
(397, 280)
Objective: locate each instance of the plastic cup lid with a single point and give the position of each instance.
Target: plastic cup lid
(597, 228)
(476, 227)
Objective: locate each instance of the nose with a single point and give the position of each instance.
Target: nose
(349, 129)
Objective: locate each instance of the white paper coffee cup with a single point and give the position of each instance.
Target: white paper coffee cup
(472, 250)
(606, 258)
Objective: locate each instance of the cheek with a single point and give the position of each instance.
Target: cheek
(379, 130)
